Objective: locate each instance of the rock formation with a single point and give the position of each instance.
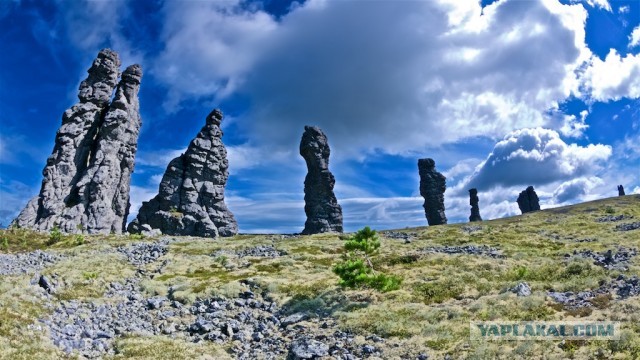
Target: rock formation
(190, 200)
(432, 188)
(324, 214)
(620, 190)
(475, 209)
(86, 179)
(528, 200)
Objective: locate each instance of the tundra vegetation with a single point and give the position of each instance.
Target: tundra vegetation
(428, 312)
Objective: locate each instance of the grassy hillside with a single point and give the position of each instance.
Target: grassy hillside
(430, 313)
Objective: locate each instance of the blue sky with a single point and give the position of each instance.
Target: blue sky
(502, 94)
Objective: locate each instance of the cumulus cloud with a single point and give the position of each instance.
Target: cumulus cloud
(573, 126)
(536, 156)
(614, 78)
(575, 189)
(634, 38)
(392, 76)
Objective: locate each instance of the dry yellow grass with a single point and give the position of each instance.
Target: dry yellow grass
(430, 313)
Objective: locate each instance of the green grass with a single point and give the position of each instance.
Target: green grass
(431, 310)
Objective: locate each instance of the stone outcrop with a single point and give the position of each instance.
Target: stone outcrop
(324, 214)
(190, 200)
(86, 179)
(621, 190)
(475, 209)
(528, 200)
(432, 188)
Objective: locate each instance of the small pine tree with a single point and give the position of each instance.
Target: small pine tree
(356, 269)
(55, 236)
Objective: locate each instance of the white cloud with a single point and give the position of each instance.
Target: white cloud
(536, 156)
(138, 194)
(574, 127)
(624, 9)
(158, 158)
(575, 189)
(242, 157)
(602, 4)
(90, 25)
(436, 72)
(614, 78)
(634, 38)
(14, 195)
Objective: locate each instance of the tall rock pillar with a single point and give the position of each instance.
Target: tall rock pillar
(475, 208)
(432, 188)
(528, 200)
(324, 214)
(97, 140)
(190, 200)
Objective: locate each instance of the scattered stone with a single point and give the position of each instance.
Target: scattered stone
(268, 251)
(432, 188)
(620, 190)
(295, 318)
(324, 214)
(528, 200)
(191, 194)
(522, 289)
(407, 237)
(613, 218)
(623, 287)
(147, 231)
(586, 240)
(471, 229)
(608, 259)
(475, 209)
(144, 253)
(628, 226)
(86, 180)
(482, 250)
(26, 263)
(305, 348)
(46, 284)
(156, 302)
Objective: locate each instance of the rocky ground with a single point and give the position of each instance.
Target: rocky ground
(275, 297)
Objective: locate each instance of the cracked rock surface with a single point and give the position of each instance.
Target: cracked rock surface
(190, 200)
(87, 176)
(324, 214)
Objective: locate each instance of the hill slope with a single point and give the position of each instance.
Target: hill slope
(273, 296)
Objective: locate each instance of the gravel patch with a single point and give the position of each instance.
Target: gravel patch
(268, 251)
(140, 254)
(471, 228)
(613, 218)
(482, 250)
(26, 263)
(628, 226)
(623, 287)
(608, 259)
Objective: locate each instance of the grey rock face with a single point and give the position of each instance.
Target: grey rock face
(86, 179)
(621, 190)
(190, 200)
(522, 289)
(324, 214)
(304, 348)
(528, 200)
(26, 263)
(475, 209)
(432, 188)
